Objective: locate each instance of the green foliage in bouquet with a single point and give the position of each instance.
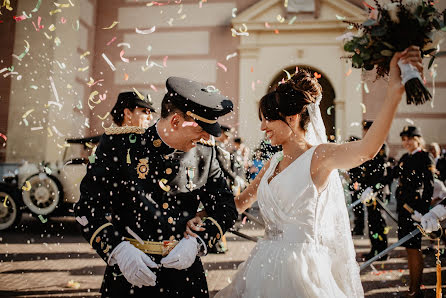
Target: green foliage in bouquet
(395, 27)
(391, 28)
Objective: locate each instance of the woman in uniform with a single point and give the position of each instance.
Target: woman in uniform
(414, 193)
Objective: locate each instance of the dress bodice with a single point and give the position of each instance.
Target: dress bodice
(306, 251)
(289, 202)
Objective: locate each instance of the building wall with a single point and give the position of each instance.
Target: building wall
(6, 47)
(189, 41)
(52, 88)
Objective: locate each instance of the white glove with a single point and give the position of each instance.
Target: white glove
(417, 216)
(183, 255)
(133, 264)
(367, 195)
(431, 220)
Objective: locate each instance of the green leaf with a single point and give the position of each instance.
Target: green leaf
(387, 53)
(369, 22)
(349, 46)
(357, 61)
(363, 41)
(376, 56)
(388, 45)
(378, 31)
(365, 55)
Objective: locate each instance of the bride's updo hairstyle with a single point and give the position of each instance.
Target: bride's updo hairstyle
(291, 98)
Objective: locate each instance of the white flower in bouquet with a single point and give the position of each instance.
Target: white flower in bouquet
(346, 36)
(393, 9)
(360, 32)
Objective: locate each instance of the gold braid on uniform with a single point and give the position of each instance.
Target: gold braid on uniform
(98, 230)
(210, 142)
(119, 130)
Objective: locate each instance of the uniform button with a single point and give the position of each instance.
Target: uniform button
(168, 171)
(165, 205)
(170, 220)
(157, 143)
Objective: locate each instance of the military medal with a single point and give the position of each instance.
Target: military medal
(142, 168)
(190, 173)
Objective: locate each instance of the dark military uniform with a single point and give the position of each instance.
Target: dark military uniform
(416, 187)
(441, 168)
(225, 159)
(358, 210)
(153, 190)
(372, 175)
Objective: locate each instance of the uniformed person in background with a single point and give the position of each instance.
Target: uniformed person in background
(355, 191)
(152, 182)
(230, 166)
(371, 182)
(414, 193)
(130, 110)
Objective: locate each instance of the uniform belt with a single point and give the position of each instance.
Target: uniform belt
(155, 248)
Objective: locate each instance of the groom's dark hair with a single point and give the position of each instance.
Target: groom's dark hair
(291, 98)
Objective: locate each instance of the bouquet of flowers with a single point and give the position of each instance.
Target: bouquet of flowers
(392, 27)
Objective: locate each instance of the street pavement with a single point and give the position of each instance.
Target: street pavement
(53, 260)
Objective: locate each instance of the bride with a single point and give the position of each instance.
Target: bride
(307, 250)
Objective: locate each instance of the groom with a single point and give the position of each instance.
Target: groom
(151, 182)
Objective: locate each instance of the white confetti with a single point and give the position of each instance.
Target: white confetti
(147, 31)
(108, 62)
(53, 86)
(231, 56)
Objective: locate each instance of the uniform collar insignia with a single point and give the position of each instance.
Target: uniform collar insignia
(154, 141)
(119, 130)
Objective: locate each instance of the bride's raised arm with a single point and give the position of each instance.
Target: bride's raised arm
(249, 195)
(328, 157)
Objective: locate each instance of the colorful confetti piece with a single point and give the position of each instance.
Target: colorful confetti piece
(111, 26)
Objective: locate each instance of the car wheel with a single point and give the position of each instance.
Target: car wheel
(10, 213)
(44, 195)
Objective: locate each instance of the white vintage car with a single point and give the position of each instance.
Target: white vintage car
(45, 189)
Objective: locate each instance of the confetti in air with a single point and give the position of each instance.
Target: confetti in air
(111, 26)
(113, 68)
(146, 31)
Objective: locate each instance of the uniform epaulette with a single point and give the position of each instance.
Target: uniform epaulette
(119, 130)
(210, 142)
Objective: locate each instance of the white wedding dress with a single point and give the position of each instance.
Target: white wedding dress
(307, 250)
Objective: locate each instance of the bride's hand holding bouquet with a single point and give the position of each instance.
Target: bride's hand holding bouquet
(392, 27)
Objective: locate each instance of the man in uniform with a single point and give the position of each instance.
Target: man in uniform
(231, 168)
(372, 178)
(355, 190)
(152, 183)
